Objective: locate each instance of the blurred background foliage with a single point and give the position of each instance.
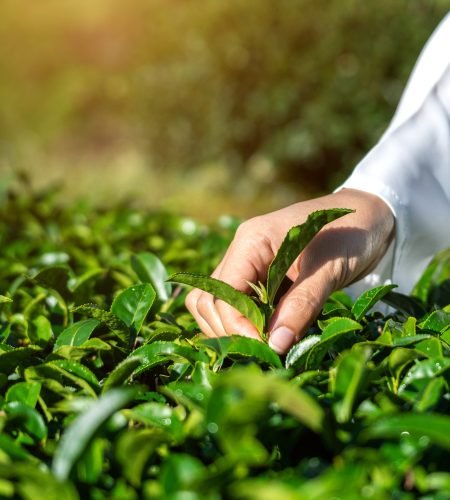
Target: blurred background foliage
(204, 106)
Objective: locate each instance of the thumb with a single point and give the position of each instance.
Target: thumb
(297, 309)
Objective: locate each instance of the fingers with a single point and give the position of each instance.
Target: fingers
(246, 259)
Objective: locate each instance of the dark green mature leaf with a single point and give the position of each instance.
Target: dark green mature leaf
(20, 356)
(122, 372)
(105, 317)
(368, 299)
(133, 304)
(13, 449)
(80, 433)
(240, 301)
(63, 373)
(266, 387)
(77, 370)
(26, 419)
(239, 346)
(410, 306)
(159, 352)
(150, 269)
(295, 241)
(55, 278)
(334, 331)
(434, 426)
(76, 334)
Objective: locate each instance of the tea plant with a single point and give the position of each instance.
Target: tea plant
(108, 390)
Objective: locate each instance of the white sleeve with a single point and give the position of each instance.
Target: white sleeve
(410, 169)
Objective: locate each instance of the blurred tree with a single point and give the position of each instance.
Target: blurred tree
(306, 85)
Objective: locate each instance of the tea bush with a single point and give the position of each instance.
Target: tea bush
(109, 391)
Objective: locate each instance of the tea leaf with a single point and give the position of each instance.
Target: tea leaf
(240, 301)
(80, 433)
(26, 419)
(296, 357)
(150, 269)
(368, 299)
(122, 372)
(238, 346)
(133, 304)
(295, 241)
(24, 392)
(433, 426)
(76, 334)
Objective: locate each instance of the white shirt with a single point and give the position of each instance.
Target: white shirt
(409, 169)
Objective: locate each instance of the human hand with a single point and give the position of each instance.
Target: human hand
(342, 252)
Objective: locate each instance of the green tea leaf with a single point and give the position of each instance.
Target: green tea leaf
(433, 426)
(122, 372)
(239, 346)
(133, 304)
(81, 432)
(257, 387)
(76, 334)
(351, 377)
(12, 449)
(42, 332)
(335, 330)
(150, 269)
(107, 318)
(24, 392)
(240, 301)
(437, 321)
(368, 299)
(295, 241)
(158, 415)
(339, 326)
(55, 278)
(20, 356)
(431, 395)
(26, 419)
(77, 370)
(76, 353)
(140, 444)
(159, 352)
(296, 357)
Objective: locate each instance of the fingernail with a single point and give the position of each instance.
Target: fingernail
(281, 339)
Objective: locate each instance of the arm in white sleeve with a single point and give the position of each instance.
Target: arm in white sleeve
(410, 169)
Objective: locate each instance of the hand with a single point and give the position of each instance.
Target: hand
(343, 252)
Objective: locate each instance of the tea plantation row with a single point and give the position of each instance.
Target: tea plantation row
(107, 390)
